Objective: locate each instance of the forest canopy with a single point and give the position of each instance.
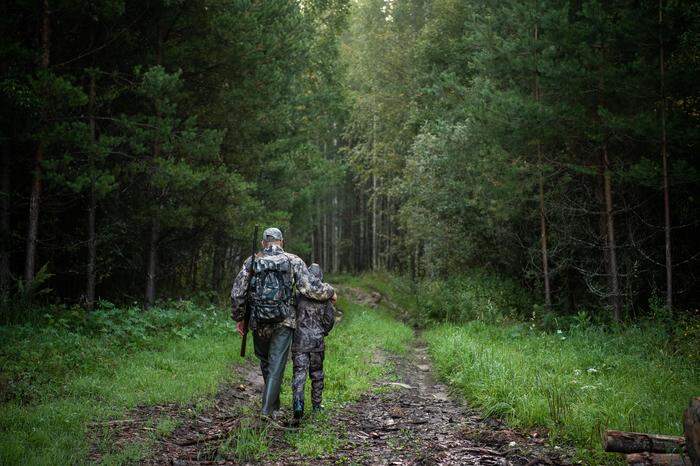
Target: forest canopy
(551, 143)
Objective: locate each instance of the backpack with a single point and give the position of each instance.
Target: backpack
(271, 287)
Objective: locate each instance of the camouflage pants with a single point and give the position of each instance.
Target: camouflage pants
(313, 364)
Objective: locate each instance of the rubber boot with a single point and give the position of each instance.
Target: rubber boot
(278, 350)
(298, 409)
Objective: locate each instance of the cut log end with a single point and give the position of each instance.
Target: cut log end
(657, 459)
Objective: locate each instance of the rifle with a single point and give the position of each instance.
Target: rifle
(248, 304)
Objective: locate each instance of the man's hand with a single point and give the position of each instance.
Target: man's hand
(242, 327)
(334, 298)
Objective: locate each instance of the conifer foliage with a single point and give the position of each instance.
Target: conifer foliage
(549, 142)
(142, 139)
(552, 142)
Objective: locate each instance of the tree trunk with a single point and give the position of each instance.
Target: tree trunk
(35, 196)
(336, 232)
(632, 442)
(152, 262)
(332, 244)
(375, 242)
(414, 263)
(193, 268)
(614, 285)
(543, 217)
(152, 268)
(664, 158)
(362, 250)
(5, 193)
(324, 264)
(610, 228)
(312, 240)
(602, 222)
(543, 242)
(217, 264)
(92, 208)
(389, 234)
(34, 199)
(317, 232)
(375, 238)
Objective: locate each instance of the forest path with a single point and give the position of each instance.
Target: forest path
(407, 418)
(415, 421)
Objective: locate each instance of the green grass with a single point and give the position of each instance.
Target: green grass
(71, 370)
(565, 373)
(478, 295)
(166, 426)
(352, 346)
(131, 454)
(314, 439)
(576, 383)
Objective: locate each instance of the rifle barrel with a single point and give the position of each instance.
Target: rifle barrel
(246, 318)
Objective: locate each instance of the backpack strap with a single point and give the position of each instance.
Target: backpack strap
(292, 281)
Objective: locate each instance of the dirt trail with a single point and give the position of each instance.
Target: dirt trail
(408, 420)
(417, 422)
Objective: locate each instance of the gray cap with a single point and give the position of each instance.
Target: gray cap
(315, 269)
(272, 234)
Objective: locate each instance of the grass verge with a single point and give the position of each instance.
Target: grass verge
(575, 383)
(574, 377)
(74, 368)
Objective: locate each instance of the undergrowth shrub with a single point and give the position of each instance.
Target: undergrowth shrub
(476, 295)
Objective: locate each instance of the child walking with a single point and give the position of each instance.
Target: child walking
(315, 320)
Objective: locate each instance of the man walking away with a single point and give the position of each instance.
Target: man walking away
(274, 277)
(315, 320)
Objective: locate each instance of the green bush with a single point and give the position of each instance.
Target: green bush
(473, 296)
(476, 295)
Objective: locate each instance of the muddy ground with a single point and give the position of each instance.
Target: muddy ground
(410, 419)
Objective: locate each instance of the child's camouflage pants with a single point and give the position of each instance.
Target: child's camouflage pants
(313, 364)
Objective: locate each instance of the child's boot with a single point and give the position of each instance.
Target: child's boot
(298, 408)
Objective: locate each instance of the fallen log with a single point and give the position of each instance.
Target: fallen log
(633, 442)
(691, 424)
(657, 459)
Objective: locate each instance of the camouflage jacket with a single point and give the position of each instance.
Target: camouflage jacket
(305, 283)
(314, 320)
